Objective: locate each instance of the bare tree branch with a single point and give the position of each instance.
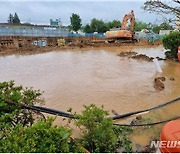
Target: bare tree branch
(164, 7)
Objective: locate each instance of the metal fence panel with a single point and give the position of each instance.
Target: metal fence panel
(33, 32)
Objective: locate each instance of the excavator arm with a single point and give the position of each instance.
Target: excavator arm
(130, 16)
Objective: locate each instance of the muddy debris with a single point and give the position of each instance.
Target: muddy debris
(143, 57)
(158, 58)
(161, 78)
(114, 112)
(171, 79)
(127, 54)
(136, 121)
(135, 55)
(158, 83)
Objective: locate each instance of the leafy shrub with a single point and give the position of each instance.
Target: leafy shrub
(123, 141)
(171, 42)
(12, 98)
(40, 137)
(20, 131)
(98, 132)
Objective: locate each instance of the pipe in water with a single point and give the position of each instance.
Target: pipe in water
(158, 67)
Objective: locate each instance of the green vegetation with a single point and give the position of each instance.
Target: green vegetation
(140, 25)
(163, 26)
(38, 138)
(11, 100)
(100, 26)
(75, 22)
(155, 28)
(14, 19)
(98, 132)
(171, 43)
(21, 131)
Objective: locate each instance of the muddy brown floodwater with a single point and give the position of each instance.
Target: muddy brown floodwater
(77, 78)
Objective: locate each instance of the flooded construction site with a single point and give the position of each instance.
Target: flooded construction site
(76, 78)
(98, 77)
(73, 78)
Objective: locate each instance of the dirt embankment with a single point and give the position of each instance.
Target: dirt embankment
(25, 45)
(135, 55)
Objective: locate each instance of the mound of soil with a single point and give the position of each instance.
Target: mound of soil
(158, 83)
(135, 55)
(127, 54)
(143, 57)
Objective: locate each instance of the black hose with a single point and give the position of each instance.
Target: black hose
(141, 111)
(67, 115)
(148, 124)
(49, 111)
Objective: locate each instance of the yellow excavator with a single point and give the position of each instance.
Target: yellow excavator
(125, 32)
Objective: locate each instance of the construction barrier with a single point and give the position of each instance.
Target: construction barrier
(178, 53)
(61, 42)
(33, 32)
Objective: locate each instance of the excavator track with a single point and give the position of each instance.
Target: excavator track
(119, 41)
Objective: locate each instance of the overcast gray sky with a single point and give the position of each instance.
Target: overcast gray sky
(39, 12)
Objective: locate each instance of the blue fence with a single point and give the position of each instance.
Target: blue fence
(102, 35)
(33, 32)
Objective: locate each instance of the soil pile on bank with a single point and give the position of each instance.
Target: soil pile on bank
(127, 54)
(143, 57)
(158, 83)
(135, 55)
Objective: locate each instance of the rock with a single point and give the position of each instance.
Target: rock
(161, 78)
(158, 58)
(172, 79)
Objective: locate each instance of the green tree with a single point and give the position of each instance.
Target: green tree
(87, 28)
(139, 25)
(114, 24)
(156, 28)
(98, 26)
(10, 19)
(16, 19)
(166, 26)
(163, 26)
(75, 22)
